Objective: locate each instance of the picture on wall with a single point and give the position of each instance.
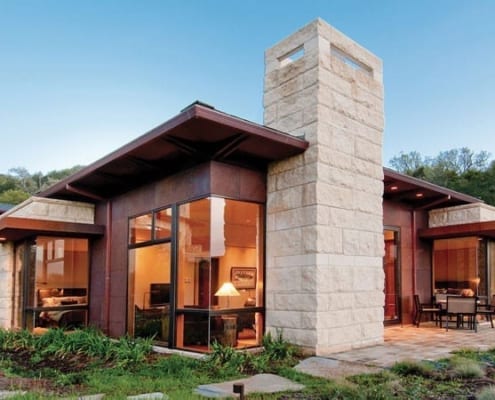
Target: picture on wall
(243, 277)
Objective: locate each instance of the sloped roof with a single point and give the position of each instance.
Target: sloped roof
(198, 134)
(420, 194)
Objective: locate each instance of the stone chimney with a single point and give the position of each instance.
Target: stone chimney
(324, 271)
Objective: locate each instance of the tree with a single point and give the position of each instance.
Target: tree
(13, 196)
(19, 184)
(459, 169)
(408, 163)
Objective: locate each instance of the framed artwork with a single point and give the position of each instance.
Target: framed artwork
(243, 277)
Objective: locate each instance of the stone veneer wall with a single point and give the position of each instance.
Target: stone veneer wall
(6, 284)
(464, 214)
(324, 273)
(54, 210)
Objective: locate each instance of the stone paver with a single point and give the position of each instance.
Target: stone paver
(146, 396)
(428, 342)
(333, 369)
(261, 383)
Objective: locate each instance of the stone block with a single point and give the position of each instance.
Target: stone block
(309, 320)
(303, 337)
(329, 240)
(309, 280)
(300, 260)
(284, 243)
(331, 195)
(337, 176)
(366, 150)
(286, 199)
(297, 176)
(283, 319)
(295, 302)
(283, 280)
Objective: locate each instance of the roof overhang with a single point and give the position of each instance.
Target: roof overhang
(15, 228)
(197, 135)
(482, 229)
(420, 194)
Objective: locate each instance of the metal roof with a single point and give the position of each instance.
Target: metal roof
(197, 135)
(420, 194)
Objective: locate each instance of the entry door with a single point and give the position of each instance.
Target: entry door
(392, 276)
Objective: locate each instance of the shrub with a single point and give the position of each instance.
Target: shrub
(466, 368)
(278, 348)
(417, 368)
(487, 393)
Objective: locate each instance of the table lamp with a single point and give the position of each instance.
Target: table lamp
(226, 290)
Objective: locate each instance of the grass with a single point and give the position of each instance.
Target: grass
(86, 362)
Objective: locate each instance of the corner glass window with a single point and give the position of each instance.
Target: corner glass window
(219, 274)
(57, 284)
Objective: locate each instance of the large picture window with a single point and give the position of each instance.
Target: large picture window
(219, 274)
(457, 268)
(56, 284)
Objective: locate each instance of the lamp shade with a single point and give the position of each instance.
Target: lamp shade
(227, 289)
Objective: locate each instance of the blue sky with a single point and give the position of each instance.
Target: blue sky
(78, 79)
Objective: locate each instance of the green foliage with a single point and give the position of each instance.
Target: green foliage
(418, 368)
(466, 368)
(458, 169)
(487, 393)
(278, 348)
(124, 367)
(277, 354)
(19, 184)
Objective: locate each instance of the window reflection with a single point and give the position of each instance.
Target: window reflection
(59, 296)
(220, 246)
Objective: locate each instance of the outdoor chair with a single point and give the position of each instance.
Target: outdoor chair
(423, 308)
(460, 308)
(488, 310)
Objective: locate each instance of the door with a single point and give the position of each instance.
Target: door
(392, 276)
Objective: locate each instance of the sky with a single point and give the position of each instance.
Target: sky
(79, 79)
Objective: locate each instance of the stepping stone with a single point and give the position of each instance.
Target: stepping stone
(330, 368)
(261, 383)
(6, 394)
(98, 396)
(146, 396)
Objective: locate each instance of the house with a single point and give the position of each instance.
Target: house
(214, 228)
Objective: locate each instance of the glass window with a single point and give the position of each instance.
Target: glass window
(163, 224)
(455, 263)
(150, 291)
(57, 284)
(140, 229)
(220, 273)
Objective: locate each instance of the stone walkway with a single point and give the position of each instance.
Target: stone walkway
(428, 342)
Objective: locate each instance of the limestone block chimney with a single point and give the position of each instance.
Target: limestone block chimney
(324, 271)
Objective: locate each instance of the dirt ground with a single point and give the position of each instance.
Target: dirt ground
(23, 361)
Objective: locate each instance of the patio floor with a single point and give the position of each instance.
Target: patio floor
(428, 342)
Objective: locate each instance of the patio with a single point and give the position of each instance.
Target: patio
(428, 342)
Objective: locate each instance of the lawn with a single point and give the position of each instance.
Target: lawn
(59, 365)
